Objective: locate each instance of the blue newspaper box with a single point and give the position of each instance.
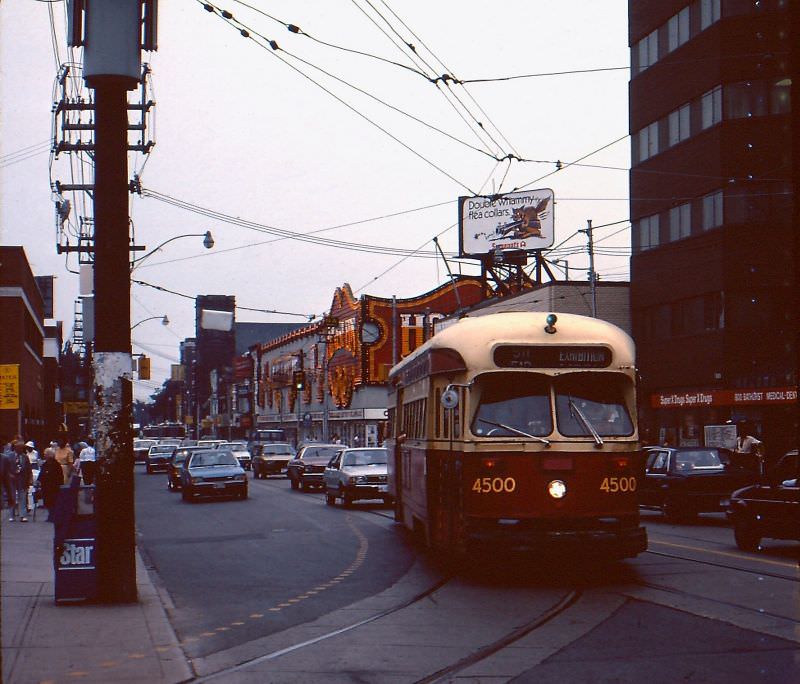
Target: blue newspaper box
(75, 545)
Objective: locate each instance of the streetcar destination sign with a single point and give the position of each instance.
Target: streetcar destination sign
(552, 356)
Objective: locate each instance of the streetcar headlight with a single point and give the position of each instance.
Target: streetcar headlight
(557, 489)
(358, 479)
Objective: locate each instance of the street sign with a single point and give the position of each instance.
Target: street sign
(9, 386)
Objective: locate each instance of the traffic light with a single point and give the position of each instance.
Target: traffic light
(144, 368)
(299, 379)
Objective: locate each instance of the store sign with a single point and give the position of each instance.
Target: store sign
(725, 397)
(9, 386)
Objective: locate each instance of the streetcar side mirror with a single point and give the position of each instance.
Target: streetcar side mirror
(449, 398)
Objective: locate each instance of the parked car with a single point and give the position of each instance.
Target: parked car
(685, 481)
(212, 472)
(769, 508)
(239, 449)
(272, 459)
(175, 465)
(140, 449)
(158, 456)
(357, 474)
(306, 469)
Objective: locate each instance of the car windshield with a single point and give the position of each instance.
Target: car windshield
(325, 453)
(698, 459)
(365, 458)
(513, 405)
(587, 402)
(144, 444)
(283, 449)
(161, 449)
(221, 458)
(179, 457)
(235, 446)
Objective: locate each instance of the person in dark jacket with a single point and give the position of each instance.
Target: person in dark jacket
(51, 477)
(22, 480)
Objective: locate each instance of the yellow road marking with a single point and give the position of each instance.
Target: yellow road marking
(726, 553)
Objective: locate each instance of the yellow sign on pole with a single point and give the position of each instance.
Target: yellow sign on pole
(9, 386)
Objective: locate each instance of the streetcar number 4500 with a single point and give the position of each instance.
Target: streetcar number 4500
(618, 484)
(496, 485)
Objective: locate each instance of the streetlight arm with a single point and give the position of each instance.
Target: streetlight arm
(164, 321)
(208, 243)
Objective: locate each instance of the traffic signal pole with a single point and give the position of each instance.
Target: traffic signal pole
(113, 391)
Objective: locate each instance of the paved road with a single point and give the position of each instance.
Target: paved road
(282, 588)
(222, 562)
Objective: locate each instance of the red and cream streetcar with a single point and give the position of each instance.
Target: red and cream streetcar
(518, 430)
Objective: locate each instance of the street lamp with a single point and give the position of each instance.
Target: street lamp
(164, 320)
(325, 333)
(208, 243)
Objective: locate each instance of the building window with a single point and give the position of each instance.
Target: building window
(647, 49)
(648, 141)
(711, 105)
(678, 29)
(780, 101)
(648, 232)
(709, 13)
(679, 124)
(745, 99)
(680, 222)
(713, 311)
(712, 210)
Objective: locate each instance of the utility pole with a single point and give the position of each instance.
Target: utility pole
(592, 274)
(112, 67)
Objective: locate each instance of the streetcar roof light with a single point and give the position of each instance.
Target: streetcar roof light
(551, 320)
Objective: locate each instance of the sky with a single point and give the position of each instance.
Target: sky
(336, 136)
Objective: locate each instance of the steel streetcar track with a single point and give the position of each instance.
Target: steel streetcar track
(323, 637)
(738, 606)
(724, 566)
(557, 609)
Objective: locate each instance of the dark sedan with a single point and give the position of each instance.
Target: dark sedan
(306, 470)
(158, 456)
(685, 481)
(272, 459)
(769, 508)
(212, 473)
(175, 465)
(140, 449)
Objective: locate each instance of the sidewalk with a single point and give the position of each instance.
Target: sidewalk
(47, 643)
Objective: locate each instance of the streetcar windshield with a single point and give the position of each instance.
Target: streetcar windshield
(513, 405)
(592, 402)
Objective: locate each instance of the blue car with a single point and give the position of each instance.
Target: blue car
(214, 472)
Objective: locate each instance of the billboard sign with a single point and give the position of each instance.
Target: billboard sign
(516, 221)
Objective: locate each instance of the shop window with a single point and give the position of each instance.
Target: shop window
(679, 123)
(712, 210)
(678, 29)
(648, 232)
(680, 222)
(711, 107)
(709, 13)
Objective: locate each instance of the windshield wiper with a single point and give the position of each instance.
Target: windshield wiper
(573, 407)
(544, 441)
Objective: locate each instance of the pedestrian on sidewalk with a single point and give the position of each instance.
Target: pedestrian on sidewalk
(8, 474)
(23, 480)
(65, 457)
(88, 459)
(51, 477)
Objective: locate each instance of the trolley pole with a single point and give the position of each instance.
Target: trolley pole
(592, 274)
